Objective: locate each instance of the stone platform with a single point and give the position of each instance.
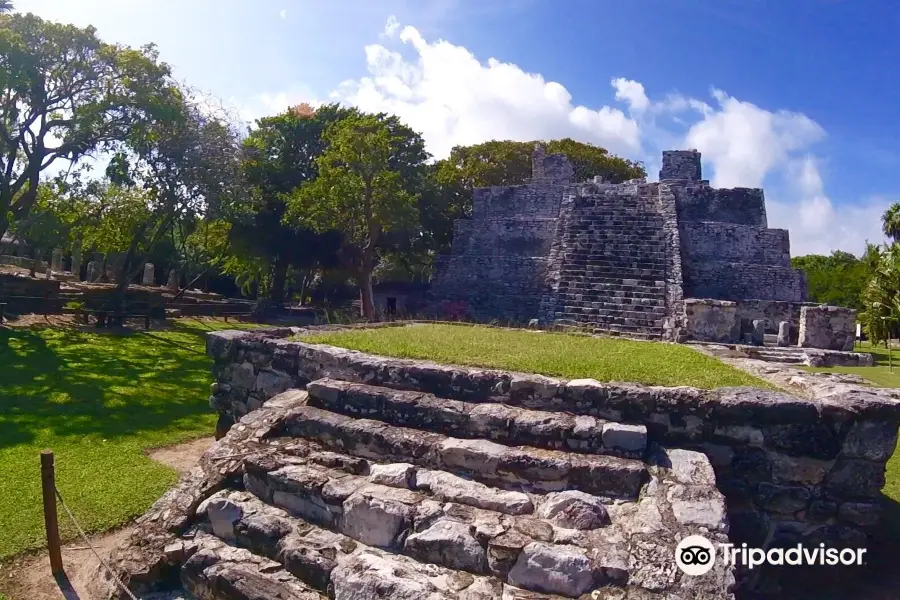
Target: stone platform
(357, 492)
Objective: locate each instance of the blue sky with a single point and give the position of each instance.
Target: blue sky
(794, 95)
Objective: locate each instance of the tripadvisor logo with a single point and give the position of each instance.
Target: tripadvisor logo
(695, 555)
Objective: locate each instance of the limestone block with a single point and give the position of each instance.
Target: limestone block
(553, 569)
(709, 320)
(827, 327)
(574, 510)
(375, 521)
(149, 277)
(784, 334)
(759, 332)
(450, 544)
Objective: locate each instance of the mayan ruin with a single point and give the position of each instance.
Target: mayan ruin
(621, 258)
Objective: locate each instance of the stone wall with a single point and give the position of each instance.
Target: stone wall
(740, 206)
(680, 164)
(23, 262)
(772, 312)
(792, 467)
(24, 294)
(738, 281)
(672, 330)
(503, 237)
(827, 327)
(710, 320)
(711, 241)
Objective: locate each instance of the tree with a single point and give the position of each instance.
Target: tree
(64, 94)
(890, 222)
(363, 189)
(838, 279)
(185, 166)
(881, 296)
(6, 6)
(279, 156)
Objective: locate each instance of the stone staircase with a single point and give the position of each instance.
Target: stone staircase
(612, 258)
(350, 491)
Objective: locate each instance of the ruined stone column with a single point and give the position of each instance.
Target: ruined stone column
(149, 275)
(76, 263)
(759, 332)
(56, 261)
(173, 281)
(784, 334)
(93, 272)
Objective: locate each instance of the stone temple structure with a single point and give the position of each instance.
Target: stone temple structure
(619, 258)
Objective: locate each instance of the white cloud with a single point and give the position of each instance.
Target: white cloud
(816, 225)
(391, 27)
(631, 92)
(283, 13)
(744, 143)
(271, 103)
(453, 98)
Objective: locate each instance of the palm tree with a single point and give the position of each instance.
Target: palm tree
(890, 222)
(6, 6)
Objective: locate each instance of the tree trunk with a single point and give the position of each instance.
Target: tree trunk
(366, 296)
(278, 281)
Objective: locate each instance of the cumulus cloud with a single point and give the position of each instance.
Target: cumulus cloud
(452, 97)
(455, 98)
(816, 225)
(631, 92)
(744, 142)
(283, 13)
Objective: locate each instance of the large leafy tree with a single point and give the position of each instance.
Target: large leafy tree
(65, 94)
(185, 166)
(366, 188)
(837, 279)
(279, 156)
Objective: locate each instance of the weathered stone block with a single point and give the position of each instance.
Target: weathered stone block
(709, 320)
(827, 327)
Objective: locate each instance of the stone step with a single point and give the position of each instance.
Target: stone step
(218, 571)
(618, 262)
(584, 327)
(637, 332)
(621, 281)
(573, 313)
(623, 272)
(609, 290)
(520, 467)
(507, 425)
(608, 299)
(407, 532)
(587, 310)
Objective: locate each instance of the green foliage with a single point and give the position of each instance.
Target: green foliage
(66, 94)
(74, 305)
(279, 156)
(890, 222)
(557, 354)
(838, 279)
(365, 189)
(881, 296)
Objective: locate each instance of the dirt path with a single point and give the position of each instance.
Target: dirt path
(29, 578)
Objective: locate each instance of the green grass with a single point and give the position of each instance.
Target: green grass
(98, 401)
(556, 354)
(881, 375)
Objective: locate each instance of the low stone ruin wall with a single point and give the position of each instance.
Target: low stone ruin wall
(24, 294)
(827, 327)
(801, 469)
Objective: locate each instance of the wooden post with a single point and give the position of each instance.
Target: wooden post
(48, 487)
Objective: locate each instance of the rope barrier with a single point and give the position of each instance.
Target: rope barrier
(91, 546)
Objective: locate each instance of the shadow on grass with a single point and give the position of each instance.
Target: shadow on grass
(111, 384)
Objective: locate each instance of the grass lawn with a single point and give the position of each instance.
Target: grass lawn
(98, 401)
(557, 354)
(879, 374)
